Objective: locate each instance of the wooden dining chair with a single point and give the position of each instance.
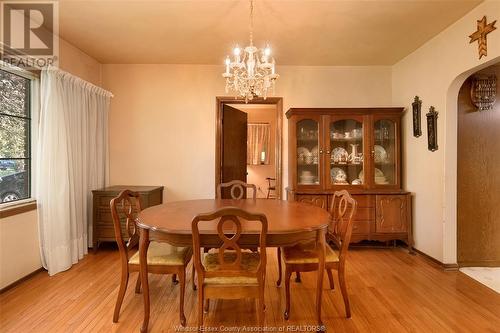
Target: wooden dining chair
(163, 258)
(304, 257)
(236, 185)
(230, 272)
(271, 188)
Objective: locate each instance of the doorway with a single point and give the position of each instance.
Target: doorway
(249, 143)
(478, 177)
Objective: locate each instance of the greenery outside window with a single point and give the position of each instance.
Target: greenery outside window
(15, 136)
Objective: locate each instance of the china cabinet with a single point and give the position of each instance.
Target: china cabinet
(357, 149)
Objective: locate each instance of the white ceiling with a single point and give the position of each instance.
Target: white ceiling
(327, 32)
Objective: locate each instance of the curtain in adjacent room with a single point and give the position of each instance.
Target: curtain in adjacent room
(259, 135)
(71, 161)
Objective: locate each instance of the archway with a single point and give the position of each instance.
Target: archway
(450, 165)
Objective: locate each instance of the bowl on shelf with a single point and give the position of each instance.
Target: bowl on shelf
(379, 175)
(339, 155)
(307, 179)
(381, 181)
(357, 133)
(338, 176)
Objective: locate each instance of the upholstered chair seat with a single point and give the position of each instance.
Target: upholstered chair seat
(164, 254)
(249, 263)
(306, 254)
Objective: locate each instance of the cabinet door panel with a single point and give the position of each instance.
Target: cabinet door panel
(391, 213)
(316, 200)
(307, 150)
(345, 158)
(386, 152)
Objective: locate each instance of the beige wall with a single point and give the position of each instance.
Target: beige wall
(162, 119)
(19, 242)
(73, 60)
(19, 247)
(257, 173)
(435, 72)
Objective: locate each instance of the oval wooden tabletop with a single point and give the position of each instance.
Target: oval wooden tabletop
(282, 216)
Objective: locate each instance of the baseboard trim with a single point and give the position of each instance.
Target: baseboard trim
(17, 282)
(446, 267)
(492, 263)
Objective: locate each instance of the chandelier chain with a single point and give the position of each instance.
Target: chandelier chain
(251, 23)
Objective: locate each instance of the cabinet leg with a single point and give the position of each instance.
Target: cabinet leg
(410, 248)
(95, 247)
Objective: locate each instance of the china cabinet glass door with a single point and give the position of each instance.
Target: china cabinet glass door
(308, 152)
(346, 152)
(385, 153)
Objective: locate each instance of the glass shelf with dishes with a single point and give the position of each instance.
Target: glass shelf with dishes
(384, 152)
(308, 152)
(346, 156)
(336, 150)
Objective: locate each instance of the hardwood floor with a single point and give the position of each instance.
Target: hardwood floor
(390, 291)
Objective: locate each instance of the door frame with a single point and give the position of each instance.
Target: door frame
(278, 102)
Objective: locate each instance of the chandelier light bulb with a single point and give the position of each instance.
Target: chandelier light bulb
(237, 51)
(228, 62)
(267, 51)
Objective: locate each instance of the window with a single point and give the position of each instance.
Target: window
(15, 137)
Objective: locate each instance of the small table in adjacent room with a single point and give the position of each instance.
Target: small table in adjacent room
(288, 224)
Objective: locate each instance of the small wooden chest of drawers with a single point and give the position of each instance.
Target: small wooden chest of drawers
(102, 221)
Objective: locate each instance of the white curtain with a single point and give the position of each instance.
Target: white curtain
(259, 135)
(71, 161)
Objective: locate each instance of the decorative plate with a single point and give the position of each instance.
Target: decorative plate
(380, 154)
(378, 174)
(314, 151)
(339, 154)
(338, 175)
(302, 151)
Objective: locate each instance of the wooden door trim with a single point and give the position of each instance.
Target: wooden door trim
(278, 101)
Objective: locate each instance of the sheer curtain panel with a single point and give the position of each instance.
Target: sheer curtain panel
(259, 135)
(71, 161)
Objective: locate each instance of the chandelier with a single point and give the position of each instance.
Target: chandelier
(251, 73)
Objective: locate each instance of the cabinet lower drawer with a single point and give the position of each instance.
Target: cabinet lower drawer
(108, 232)
(364, 200)
(361, 227)
(316, 200)
(103, 214)
(104, 201)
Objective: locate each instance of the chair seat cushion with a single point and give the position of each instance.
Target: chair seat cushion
(306, 254)
(249, 263)
(164, 254)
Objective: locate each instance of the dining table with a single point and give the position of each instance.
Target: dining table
(289, 223)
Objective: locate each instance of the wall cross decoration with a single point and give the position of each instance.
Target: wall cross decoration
(479, 35)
